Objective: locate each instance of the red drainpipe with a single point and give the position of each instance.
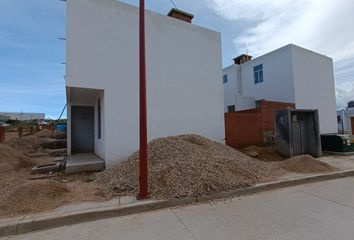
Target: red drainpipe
(143, 164)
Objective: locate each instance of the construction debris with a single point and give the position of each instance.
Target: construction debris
(185, 166)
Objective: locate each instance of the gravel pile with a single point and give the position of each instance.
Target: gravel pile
(187, 165)
(305, 164)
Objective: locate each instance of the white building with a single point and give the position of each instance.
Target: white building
(23, 116)
(289, 74)
(184, 92)
(345, 119)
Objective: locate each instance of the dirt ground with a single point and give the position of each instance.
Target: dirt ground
(22, 193)
(180, 166)
(263, 153)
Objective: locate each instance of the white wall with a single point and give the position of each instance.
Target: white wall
(230, 87)
(185, 93)
(314, 86)
(277, 82)
(233, 90)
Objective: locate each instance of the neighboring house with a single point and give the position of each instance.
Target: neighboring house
(289, 74)
(23, 116)
(345, 119)
(184, 92)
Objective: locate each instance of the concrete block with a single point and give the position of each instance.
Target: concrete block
(84, 163)
(40, 169)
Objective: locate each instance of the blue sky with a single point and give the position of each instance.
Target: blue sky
(31, 56)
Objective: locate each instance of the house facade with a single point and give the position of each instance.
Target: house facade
(289, 74)
(184, 93)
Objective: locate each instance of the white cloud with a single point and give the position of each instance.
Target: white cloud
(322, 26)
(345, 93)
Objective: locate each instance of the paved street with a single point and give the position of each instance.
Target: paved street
(320, 211)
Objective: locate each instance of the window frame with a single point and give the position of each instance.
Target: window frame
(258, 74)
(225, 78)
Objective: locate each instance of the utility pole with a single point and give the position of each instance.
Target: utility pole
(143, 163)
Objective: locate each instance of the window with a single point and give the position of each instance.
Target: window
(231, 108)
(339, 119)
(258, 73)
(224, 78)
(99, 118)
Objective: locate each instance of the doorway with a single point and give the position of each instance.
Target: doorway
(82, 129)
(352, 118)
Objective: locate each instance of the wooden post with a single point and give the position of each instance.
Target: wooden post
(20, 132)
(2, 134)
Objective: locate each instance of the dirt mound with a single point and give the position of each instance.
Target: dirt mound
(305, 164)
(35, 196)
(45, 133)
(266, 153)
(186, 165)
(12, 159)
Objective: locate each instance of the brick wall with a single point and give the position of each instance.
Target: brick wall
(254, 126)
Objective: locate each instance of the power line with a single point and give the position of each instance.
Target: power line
(174, 4)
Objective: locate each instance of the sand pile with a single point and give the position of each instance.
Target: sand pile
(187, 165)
(12, 160)
(35, 196)
(305, 164)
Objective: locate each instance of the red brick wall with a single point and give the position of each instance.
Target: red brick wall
(268, 109)
(245, 128)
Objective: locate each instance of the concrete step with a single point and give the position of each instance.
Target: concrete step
(88, 162)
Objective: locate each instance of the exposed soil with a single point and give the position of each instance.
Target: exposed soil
(13, 160)
(179, 166)
(35, 196)
(19, 195)
(187, 165)
(266, 153)
(305, 164)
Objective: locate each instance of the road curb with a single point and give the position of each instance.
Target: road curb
(31, 223)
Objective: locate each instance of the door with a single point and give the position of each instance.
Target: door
(298, 144)
(82, 129)
(352, 118)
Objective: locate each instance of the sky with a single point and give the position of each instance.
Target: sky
(32, 55)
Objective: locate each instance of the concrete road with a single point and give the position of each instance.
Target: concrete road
(321, 211)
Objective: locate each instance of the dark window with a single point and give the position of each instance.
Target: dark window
(99, 118)
(224, 78)
(231, 108)
(258, 103)
(258, 73)
(339, 119)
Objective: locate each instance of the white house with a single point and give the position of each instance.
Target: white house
(345, 119)
(184, 92)
(289, 74)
